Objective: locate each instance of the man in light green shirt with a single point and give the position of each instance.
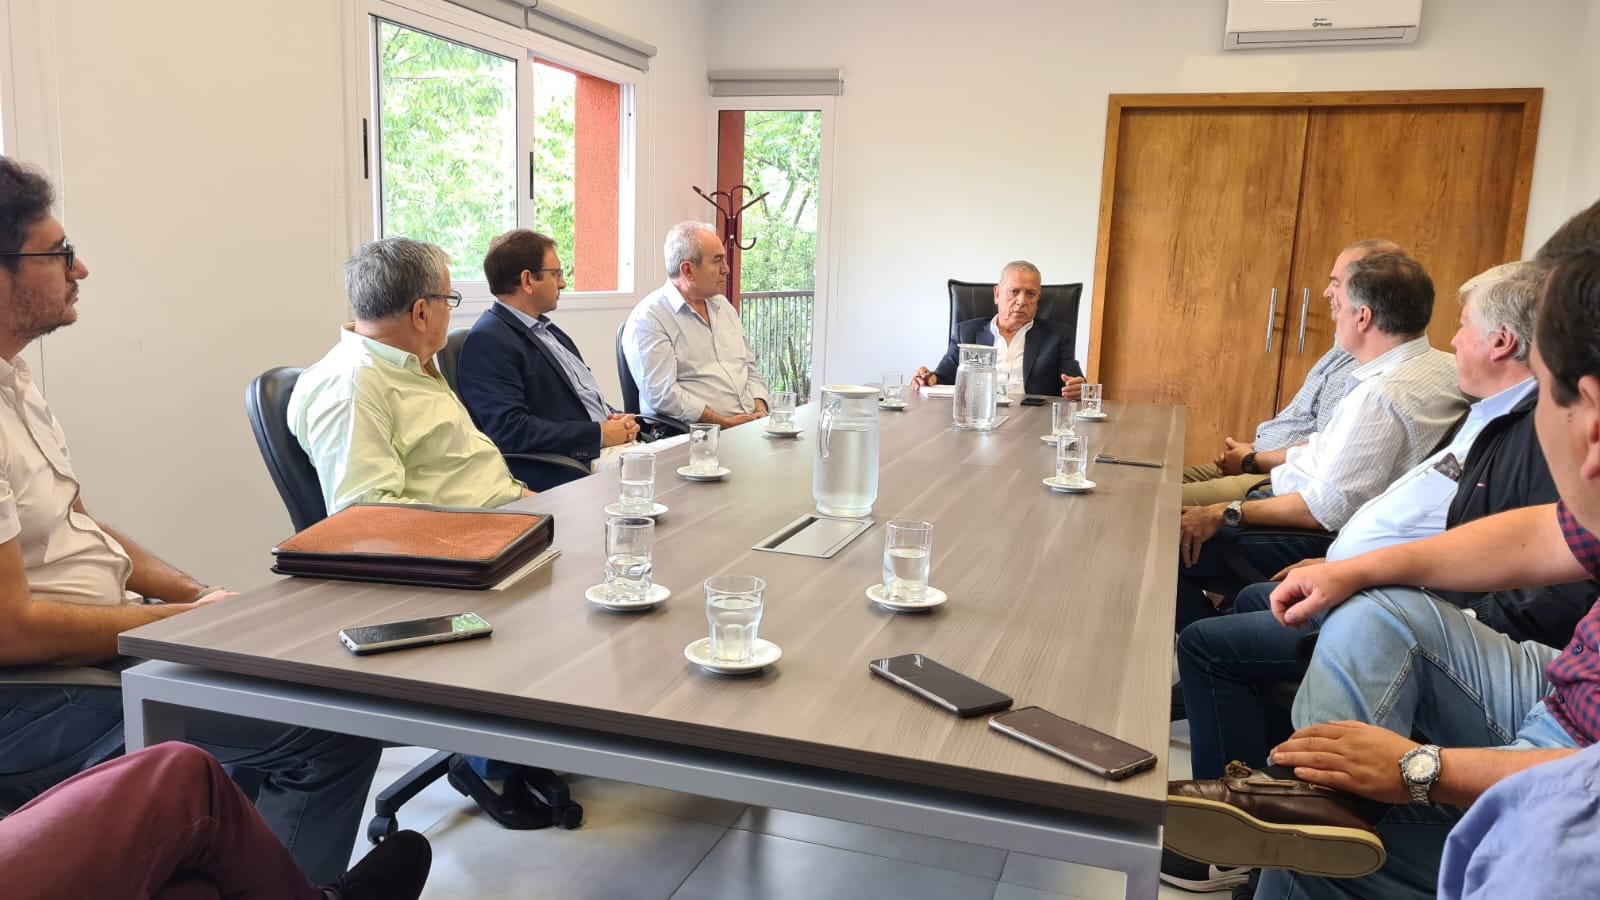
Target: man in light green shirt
(378, 420)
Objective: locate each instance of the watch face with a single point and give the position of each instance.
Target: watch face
(1421, 767)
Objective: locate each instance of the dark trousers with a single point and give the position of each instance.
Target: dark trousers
(1228, 666)
(1232, 560)
(165, 823)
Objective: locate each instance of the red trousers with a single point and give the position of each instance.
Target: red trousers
(165, 823)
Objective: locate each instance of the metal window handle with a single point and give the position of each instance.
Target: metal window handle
(1305, 305)
(1272, 317)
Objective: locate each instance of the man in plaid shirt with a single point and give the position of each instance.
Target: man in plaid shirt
(1394, 660)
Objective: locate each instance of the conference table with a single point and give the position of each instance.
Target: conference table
(1064, 601)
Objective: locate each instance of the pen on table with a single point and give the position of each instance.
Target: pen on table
(1102, 458)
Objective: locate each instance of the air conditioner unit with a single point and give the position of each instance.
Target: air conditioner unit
(1260, 24)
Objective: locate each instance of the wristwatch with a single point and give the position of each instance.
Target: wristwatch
(1233, 516)
(1419, 769)
(1248, 464)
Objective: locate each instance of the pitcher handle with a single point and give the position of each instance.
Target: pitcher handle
(825, 426)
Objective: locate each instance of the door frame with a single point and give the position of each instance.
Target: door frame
(821, 305)
(1529, 99)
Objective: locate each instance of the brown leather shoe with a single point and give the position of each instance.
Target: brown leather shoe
(1249, 818)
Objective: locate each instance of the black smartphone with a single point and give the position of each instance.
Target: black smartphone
(1078, 744)
(364, 639)
(1034, 401)
(944, 686)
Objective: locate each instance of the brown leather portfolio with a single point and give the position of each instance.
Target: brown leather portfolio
(403, 543)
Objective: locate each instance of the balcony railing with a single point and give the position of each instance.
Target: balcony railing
(778, 326)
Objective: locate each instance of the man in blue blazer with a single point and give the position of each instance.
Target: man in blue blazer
(522, 378)
(1035, 352)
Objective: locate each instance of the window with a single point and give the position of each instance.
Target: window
(477, 132)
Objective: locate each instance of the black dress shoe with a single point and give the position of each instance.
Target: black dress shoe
(514, 807)
(396, 869)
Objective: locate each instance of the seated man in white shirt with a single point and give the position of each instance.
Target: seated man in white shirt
(1403, 399)
(684, 343)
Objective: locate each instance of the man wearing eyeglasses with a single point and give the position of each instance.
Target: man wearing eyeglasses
(69, 584)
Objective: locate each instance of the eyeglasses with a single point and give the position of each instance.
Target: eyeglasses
(67, 250)
(452, 299)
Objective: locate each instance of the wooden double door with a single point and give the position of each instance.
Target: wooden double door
(1221, 216)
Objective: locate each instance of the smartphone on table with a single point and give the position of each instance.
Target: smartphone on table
(1076, 743)
(364, 639)
(940, 684)
(1034, 401)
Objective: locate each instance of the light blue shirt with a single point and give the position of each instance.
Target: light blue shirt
(1535, 834)
(1312, 406)
(578, 373)
(684, 363)
(1416, 504)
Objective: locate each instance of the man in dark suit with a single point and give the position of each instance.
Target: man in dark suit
(522, 378)
(1035, 352)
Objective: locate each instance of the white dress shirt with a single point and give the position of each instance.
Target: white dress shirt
(1396, 410)
(67, 555)
(1010, 354)
(684, 363)
(1416, 505)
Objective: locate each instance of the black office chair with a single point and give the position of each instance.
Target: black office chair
(266, 401)
(665, 426)
(18, 788)
(975, 299)
(540, 469)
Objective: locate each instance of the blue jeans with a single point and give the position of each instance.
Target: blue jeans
(1225, 565)
(1403, 659)
(313, 784)
(1224, 664)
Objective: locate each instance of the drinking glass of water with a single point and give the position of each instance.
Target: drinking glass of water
(628, 544)
(1091, 399)
(1064, 417)
(907, 552)
(894, 387)
(1072, 458)
(733, 607)
(638, 495)
(781, 413)
(703, 448)
(1002, 380)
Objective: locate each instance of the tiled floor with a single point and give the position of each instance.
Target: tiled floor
(640, 843)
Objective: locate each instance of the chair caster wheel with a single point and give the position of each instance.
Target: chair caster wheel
(570, 817)
(381, 827)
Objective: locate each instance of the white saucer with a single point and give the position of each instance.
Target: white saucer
(1093, 417)
(597, 596)
(934, 597)
(766, 653)
(1058, 487)
(1004, 402)
(781, 433)
(615, 510)
(1048, 438)
(885, 404)
(721, 473)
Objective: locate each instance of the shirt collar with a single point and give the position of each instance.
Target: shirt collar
(676, 299)
(1490, 408)
(394, 356)
(523, 317)
(994, 328)
(1393, 358)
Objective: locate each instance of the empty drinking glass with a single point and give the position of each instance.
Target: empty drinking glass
(703, 448)
(1091, 399)
(907, 553)
(1064, 417)
(628, 543)
(894, 386)
(781, 413)
(733, 607)
(638, 495)
(1072, 458)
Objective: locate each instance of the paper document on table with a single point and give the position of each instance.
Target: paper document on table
(538, 562)
(939, 391)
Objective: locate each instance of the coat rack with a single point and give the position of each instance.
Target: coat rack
(730, 218)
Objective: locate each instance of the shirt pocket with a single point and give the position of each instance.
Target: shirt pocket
(1419, 506)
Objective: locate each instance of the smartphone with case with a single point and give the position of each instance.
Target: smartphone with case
(364, 639)
(940, 684)
(1033, 401)
(1078, 744)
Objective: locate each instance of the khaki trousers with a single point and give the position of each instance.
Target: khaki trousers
(1200, 491)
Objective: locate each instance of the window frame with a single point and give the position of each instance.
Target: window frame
(8, 84)
(524, 47)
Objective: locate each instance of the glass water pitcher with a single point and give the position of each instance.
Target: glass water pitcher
(974, 404)
(844, 478)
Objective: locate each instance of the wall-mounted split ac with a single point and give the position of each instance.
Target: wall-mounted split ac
(1259, 24)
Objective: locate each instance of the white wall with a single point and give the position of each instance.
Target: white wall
(1584, 186)
(202, 162)
(970, 134)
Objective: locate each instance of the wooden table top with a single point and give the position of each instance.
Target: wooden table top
(1062, 601)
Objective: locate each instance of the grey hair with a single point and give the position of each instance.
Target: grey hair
(1506, 296)
(682, 247)
(1020, 265)
(1373, 246)
(384, 278)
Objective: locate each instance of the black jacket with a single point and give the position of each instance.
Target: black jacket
(1046, 354)
(1505, 469)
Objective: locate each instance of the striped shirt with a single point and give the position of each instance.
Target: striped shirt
(1575, 674)
(1312, 406)
(1396, 410)
(685, 364)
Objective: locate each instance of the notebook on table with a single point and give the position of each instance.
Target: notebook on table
(401, 543)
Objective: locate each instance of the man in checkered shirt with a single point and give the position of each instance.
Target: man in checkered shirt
(1394, 660)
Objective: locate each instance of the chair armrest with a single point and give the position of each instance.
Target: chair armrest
(671, 425)
(551, 459)
(1248, 572)
(60, 677)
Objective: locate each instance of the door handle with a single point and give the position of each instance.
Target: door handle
(1305, 304)
(1272, 318)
